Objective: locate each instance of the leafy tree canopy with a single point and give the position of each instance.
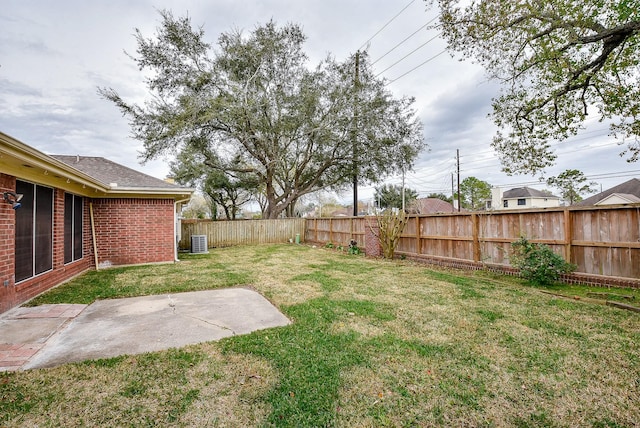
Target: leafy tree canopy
(441, 196)
(473, 193)
(559, 60)
(198, 207)
(572, 184)
(254, 106)
(390, 196)
(223, 187)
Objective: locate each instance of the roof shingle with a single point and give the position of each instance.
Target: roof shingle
(109, 172)
(526, 192)
(631, 187)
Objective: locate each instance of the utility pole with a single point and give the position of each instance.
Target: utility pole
(403, 210)
(452, 193)
(356, 83)
(458, 163)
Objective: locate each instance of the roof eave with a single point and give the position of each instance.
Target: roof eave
(26, 162)
(178, 194)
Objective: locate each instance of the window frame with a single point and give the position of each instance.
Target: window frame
(73, 228)
(34, 227)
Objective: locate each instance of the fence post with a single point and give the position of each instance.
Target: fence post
(476, 237)
(418, 243)
(568, 238)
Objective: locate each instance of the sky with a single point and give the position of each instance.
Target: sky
(55, 54)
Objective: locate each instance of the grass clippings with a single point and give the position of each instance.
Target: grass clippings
(372, 343)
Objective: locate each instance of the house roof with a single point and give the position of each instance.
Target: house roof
(626, 197)
(526, 192)
(86, 176)
(433, 205)
(631, 187)
(112, 173)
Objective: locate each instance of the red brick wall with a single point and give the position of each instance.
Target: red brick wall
(372, 245)
(128, 231)
(7, 239)
(13, 294)
(133, 231)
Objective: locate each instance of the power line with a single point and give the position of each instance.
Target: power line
(409, 54)
(418, 66)
(385, 25)
(403, 41)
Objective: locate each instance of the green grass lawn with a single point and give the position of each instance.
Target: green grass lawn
(372, 343)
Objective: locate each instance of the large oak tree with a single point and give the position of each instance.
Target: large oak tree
(560, 61)
(254, 106)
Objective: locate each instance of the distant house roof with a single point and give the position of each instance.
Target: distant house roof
(526, 192)
(433, 205)
(631, 187)
(111, 173)
(619, 198)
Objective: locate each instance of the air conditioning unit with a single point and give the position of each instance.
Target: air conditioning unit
(199, 244)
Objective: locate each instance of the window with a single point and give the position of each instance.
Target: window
(522, 202)
(72, 227)
(505, 204)
(34, 231)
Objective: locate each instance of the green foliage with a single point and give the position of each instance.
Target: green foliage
(560, 61)
(216, 179)
(473, 193)
(353, 248)
(390, 196)
(255, 107)
(441, 196)
(537, 262)
(571, 184)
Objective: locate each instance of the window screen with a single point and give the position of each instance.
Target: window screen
(34, 231)
(73, 206)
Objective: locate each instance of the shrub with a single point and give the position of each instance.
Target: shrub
(391, 223)
(538, 263)
(353, 248)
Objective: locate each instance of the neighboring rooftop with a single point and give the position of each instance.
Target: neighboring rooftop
(109, 172)
(631, 187)
(433, 206)
(526, 192)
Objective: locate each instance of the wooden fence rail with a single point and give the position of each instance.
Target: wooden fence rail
(601, 241)
(242, 232)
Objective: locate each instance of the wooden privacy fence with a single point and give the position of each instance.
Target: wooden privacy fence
(601, 241)
(241, 232)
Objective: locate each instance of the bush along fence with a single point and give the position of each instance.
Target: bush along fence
(602, 242)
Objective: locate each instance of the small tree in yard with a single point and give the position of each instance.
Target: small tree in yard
(537, 262)
(391, 223)
(571, 184)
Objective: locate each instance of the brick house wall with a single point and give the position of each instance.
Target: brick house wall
(128, 231)
(12, 294)
(133, 231)
(7, 239)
